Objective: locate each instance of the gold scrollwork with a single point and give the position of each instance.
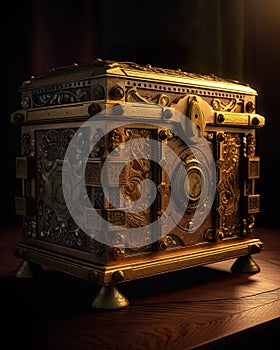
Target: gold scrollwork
(119, 137)
(133, 95)
(96, 247)
(248, 225)
(117, 252)
(228, 186)
(166, 242)
(219, 105)
(251, 145)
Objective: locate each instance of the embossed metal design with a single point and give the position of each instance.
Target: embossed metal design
(229, 186)
(166, 242)
(231, 106)
(58, 95)
(133, 95)
(99, 149)
(29, 227)
(27, 145)
(252, 168)
(96, 248)
(134, 172)
(55, 224)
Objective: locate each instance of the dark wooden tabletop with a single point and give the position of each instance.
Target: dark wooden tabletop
(203, 307)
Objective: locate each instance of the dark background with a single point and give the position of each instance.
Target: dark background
(236, 39)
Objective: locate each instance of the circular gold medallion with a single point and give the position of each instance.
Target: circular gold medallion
(193, 183)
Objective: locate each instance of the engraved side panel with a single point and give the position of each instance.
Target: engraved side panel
(61, 94)
(138, 170)
(132, 173)
(252, 173)
(28, 182)
(189, 185)
(55, 224)
(229, 186)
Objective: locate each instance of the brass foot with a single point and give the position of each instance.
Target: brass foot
(109, 298)
(27, 270)
(245, 264)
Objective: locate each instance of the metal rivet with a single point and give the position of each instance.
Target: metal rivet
(167, 114)
(117, 92)
(221, 118)
(118, 276)
(219, 236)
(250, 107)
(18, 118)
(255, 121)
(97, 92)
(93, 109)
(163, 135)
(220, 137)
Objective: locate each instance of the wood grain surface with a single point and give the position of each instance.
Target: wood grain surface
(187, 309)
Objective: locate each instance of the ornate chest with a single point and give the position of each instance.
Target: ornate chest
(129, 171)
